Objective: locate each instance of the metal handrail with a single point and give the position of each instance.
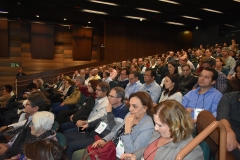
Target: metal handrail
(201, 136)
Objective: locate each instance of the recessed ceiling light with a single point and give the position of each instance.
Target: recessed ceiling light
(102, 2)
(148, 10)
(168, 1)
(211, 10)
(191, 17)
(236, 0)
(3, 12)
(133, 17)
(230, 25)
(37, 15)
(89, 22)
(64, 19)
(93, 11)
(175, 23)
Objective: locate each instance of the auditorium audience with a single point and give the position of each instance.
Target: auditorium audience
(134, 84)
(228, 112)
(71, 100)
(136, 130)
(150, 86)
(219, 65)
(234, 83)
(47, 149)
(205, 97)
(123, 79)
(229, 61)
(171, 87)
(170, 135)
(76, 139)
(20, 72)
(7, 89)
(90, 93)
(186, 80)
(36, 102)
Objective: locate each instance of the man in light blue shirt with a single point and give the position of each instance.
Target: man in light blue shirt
(134, 84)
(150, 86)
(205, 97)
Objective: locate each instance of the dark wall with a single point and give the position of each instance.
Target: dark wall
(211, 35)
(128, 40)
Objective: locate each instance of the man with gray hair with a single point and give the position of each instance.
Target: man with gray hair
(72, 99)
(230, 62)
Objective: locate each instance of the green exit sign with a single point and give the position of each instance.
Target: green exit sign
(14, 65)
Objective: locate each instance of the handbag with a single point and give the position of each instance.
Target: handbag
(107, 152)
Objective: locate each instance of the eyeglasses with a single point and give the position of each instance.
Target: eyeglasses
(98, 90)
(110, 96)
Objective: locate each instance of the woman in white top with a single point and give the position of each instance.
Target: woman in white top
(171, 89)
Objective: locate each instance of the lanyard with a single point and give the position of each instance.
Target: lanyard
(197, 101)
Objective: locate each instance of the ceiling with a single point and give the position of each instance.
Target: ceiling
(54, 11)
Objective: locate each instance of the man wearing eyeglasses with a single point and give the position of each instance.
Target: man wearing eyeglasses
(150, 86)
(104, 109)
(134, 84)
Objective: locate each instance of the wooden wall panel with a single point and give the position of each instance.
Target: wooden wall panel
(4, 38)
(82, 43)
(42, 41)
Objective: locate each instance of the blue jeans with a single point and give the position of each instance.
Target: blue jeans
(56, 108)
(67, 127)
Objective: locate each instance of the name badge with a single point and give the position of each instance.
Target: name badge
(102, 126)
(119, 148)
(197, 111)
(142, 158)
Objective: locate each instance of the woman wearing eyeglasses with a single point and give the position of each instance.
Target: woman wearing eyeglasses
(136, 130)
(173, 128)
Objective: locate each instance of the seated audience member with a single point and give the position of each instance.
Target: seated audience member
(64, 116)
(234, 83)
(78, 140)
(87, 71)
(205, 97)
(71, 100)
(36, 102)
(141, 65)
(61, 86)
(94, 75)
(199, 67)
(60, 97)
(233, 54)
(7, 89)
(183, 60)
(150, 86)
(229, 61)
(171, 89)
(113, 72)
(170, 136)
(106, 76)
(221, 82)
(161, 68)
(219, 65)
(134, 84)
(153, 64)
(57, 82)
(172, 69)
(20, 73)
(123, 80)
(170, 57)
(135, 67)
(75, 75)
(147, 62)
(186, 80)
(40, 85)
(100, 72)
(136, 130)
(234, 46)
(46, 149)
(40, 128)
(228, 112)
